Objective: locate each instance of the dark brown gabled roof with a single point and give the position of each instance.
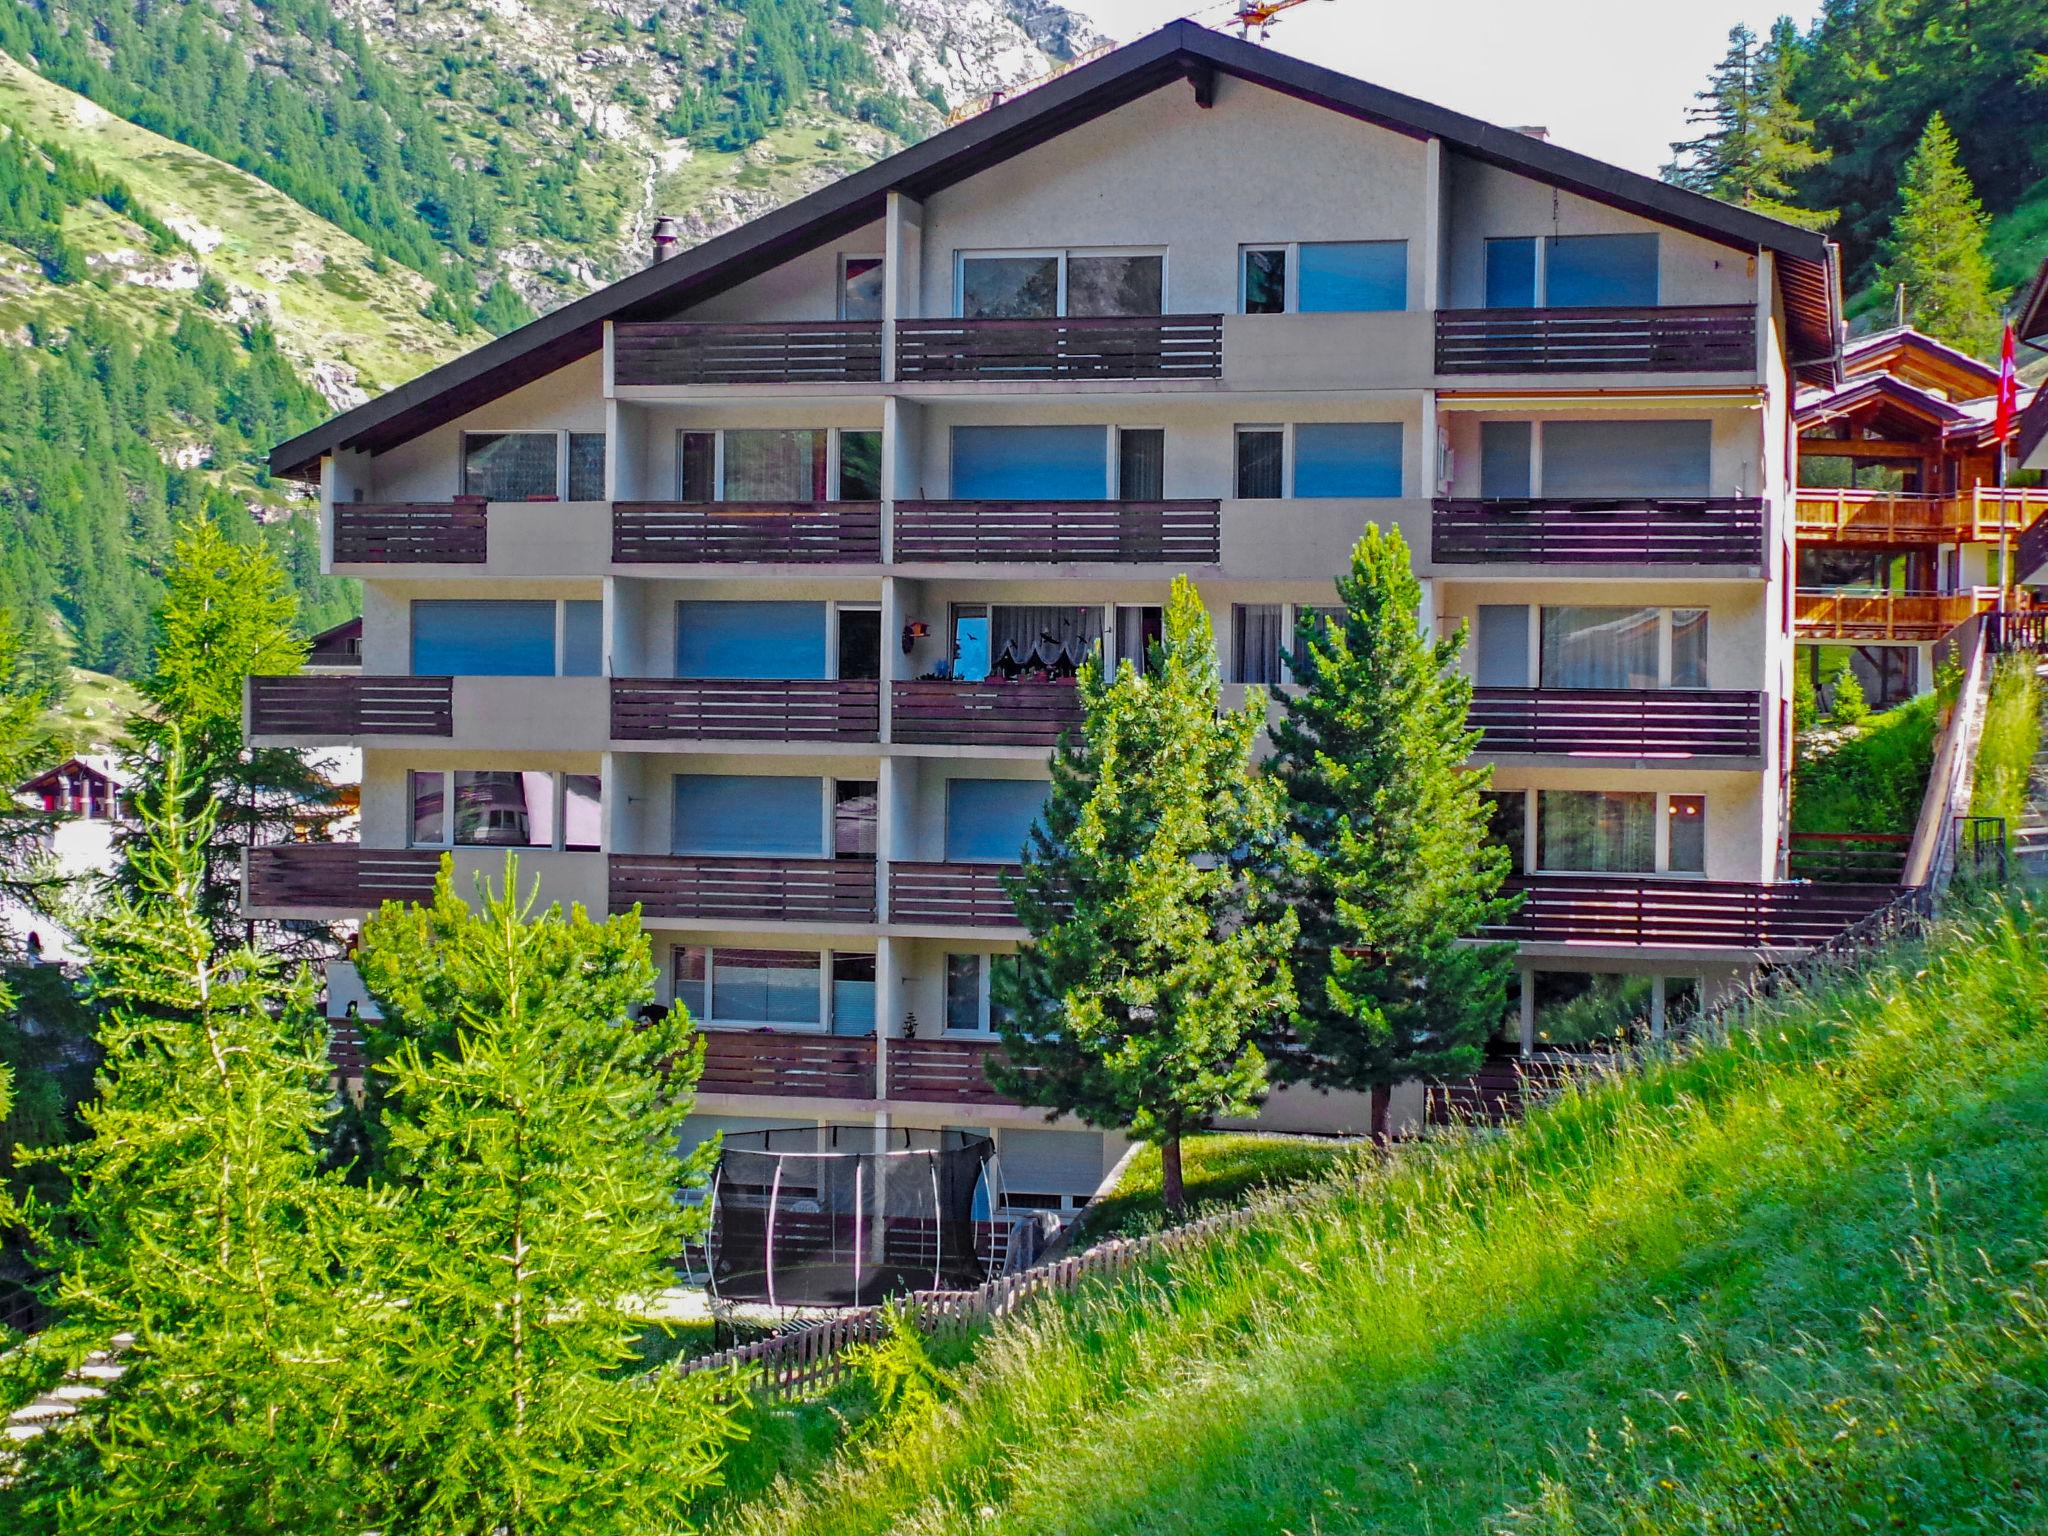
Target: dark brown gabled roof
(2032, 322)
(1179, 50)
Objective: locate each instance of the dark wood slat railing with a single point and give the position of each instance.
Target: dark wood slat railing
(342, 706)
(2031, 551)
(1619, 722)
(1853, 858)
(411, 532)
(720, 709)
(991, 714)
(1697, 338)
(1704, 530)
(958, 895)
(800, 1066)
(1694, 914)
(760, 352)
(744, 532)
(942, 1072)
(1121, 532)
(2017, 630)
(1078, 347)
(753, 890)
(328, 875)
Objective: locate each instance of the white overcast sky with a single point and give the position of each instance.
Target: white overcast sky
(1610, 78)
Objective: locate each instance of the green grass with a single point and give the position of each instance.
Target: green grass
(1217, 1169)
(1871, 778)
(1790, 1283)
(2012, 739)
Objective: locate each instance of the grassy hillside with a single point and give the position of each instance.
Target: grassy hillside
(1791, 1283)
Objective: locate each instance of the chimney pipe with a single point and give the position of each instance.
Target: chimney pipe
(666, 244)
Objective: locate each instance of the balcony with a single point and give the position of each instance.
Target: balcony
(411, 532)
(1824, 613)
(1619, 722)
(991, 714)
(339, 708)
(942, 1072)
(1629, 910)
(765, 352)
(335, 877)
(2031, 553)
(1980, 516)
(704, 709)
(746, 532)
(1178, 533)
(791, 1065)
(1854, 858)
(1702, 338)
(951, 895)
(669, 886)
(1710, 530)
(1075, 349)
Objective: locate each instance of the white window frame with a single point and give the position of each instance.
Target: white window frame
(1287, 429)
(1115, 477)
(1060, 255)
(561, 436)
(1665, 621)
(717, 434)
(558, 794)
(984, 995)
(881, 257)
(1291, 288)
(742, 1026)
(1532, 811)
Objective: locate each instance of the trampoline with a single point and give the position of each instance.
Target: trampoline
(845, 1215)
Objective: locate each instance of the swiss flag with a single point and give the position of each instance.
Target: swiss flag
(2008, 388)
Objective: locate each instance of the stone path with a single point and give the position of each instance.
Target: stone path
(85, 1381)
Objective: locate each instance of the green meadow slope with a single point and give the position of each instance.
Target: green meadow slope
(1793, 1282)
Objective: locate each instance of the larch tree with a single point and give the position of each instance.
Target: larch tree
(1387, 868)
(1936, 251)
(1756, 145)
(1151, 972)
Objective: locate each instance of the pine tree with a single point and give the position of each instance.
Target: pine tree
(541, 1185)
(1387, 870)
(1936, 248)
(1757, 144)
(1149, 975)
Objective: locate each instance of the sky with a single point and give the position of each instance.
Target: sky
(1611, 78)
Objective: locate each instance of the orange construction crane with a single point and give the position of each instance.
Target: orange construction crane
(1260, 14)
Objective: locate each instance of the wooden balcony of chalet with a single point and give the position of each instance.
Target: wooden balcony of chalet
(1828, 613)
(1705, 530)
(1635, 910)
(1619, 722)
(722, 709)
(672, 353)
(942, 1071)
(743, 890)
(788, 1063)
(746, 532)
(1071, 349)
(338, 707)
(1178, 533)
(951, 895)
(411, 532)
(1700, 338)
(1982, 515)
(986, 714)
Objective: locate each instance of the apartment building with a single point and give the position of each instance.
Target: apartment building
(749, 590)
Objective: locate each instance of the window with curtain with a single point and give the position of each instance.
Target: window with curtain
(1141, 464)
(429, 809)
(1261, 457)
(766, 986)
(1352, 276)
(748, 815)
(1031, 463)
(483, 637)
(963, 994)
(853, 994)
(1511, 273)
(990, 820)
(1257, 632)
(510, 466)
(1039, 634)
(1597, 271)
(1689, 648)
(1628, 458)
(860, 288)
(1312, 625)
(582, 638)
(1501, 638)
(1686, 843)
(1009, 287)
(1505, 459)
(1139, 627)
(775, 464)
(1350, 458)
(586, 466)
(697, 466)
(1596, 831)
(854, 804)
(1265, 280)
(860, 466)
(717, 638)
(1116, 283)
(496, 809)
(1600, 647)
(582, 807)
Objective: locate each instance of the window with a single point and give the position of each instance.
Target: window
(990, 820)
(1261, 457)
(1627, 458)
(1116, 284)
(511, 466)
(582, 638)
(974, 985)
(1255, 639)
(1139, 627)
(1009, 638)
(860, 643)
(1141, 464)
(693, 981)
(1347, 459)
(1040, 286)
(1009, 287)
(766, 987)
(1030, 463)
(500, 808)
(1329, 277)
(429, 809)
(1596, 831)
(750, 639)
(1688, 648)
(586, 466)
(1507, 816)
(1312, 626)
(1593, 271)
(1502, 641)
(1505, 459)
(777, 464)
(1686, 817)
(748, 815)
(1511, 273)
(582, 822)
(697, 466)
(1265, 280)
(853, 818)
(860, 466)
(1600, 647)
(493, 637)
(860, 287)
(853, 994)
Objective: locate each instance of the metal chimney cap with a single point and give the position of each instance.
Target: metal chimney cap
(666, 240)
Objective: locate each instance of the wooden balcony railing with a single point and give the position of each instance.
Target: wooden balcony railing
(989, 714)
(411, 532)
(1691, 914)
(1824, 613)
(1854, 858)
(324, 876)
(1118, 532)
(1709, 530)
(338, 707)
(794, 1065)
(942, 1072)
(956, 895)
(744, 890)
(1070, 349)
(746, 532)
(1700, 338)
(764, 352)
(1981, 515)
(1619, 722)
(717, 709)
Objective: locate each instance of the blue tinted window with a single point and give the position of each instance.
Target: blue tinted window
(1354, 275)
(474, 638)
(991, 818)
(582, 639)
(1504, 458)
(750, 814)
(1628, 458)
(1511, 273)
(750, 639)
(1347, 458)
(1031, 463)
(1592, 271)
